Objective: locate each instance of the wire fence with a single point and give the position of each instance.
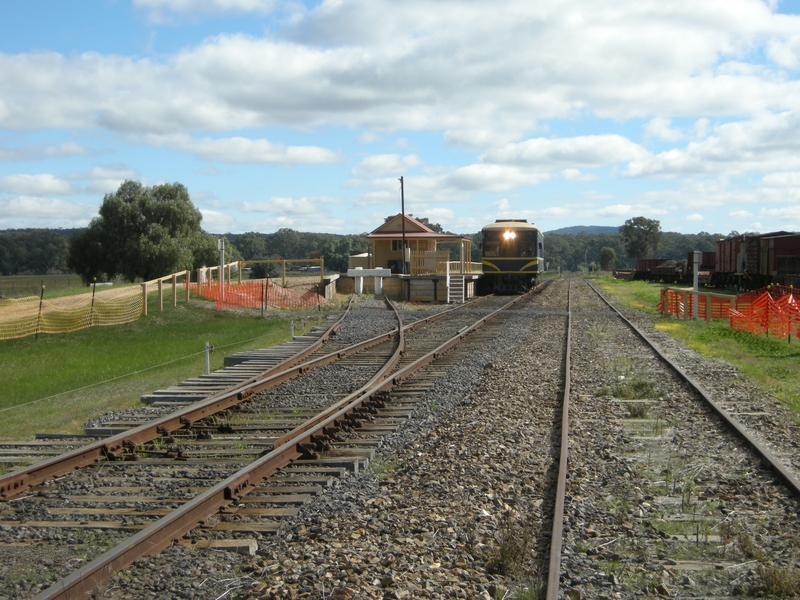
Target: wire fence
(774, 310)
(256, 293)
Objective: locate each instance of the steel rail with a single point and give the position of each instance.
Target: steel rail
(160, 534)
(18, 481)
(782, 472)
(556, 539)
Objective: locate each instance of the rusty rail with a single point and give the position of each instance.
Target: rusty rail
(556, 540)
(307, 436)
(765, 455)
(18, 481)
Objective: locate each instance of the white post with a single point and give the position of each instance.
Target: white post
(378, 286)
(359, 282)
(447, 280)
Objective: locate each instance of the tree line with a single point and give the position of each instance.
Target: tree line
(148, 232)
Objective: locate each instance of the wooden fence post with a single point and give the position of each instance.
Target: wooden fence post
(144, 299)
(187, 276)
(174, 289)
(160, 295)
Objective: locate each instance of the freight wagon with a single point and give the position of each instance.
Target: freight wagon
(752, 261)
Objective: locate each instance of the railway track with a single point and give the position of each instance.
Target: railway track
(684, 501)
(238, 436)
(660, 497)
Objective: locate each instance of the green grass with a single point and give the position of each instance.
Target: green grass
(640, 295)
(772, 363)
(35, 370)
(18, 286)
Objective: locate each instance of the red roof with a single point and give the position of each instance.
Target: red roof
(414, 230)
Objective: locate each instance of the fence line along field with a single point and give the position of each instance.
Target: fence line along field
(19, 286)
(158, 350)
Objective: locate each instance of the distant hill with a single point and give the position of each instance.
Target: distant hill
(591, 229)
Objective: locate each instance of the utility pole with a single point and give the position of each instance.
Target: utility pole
(403, 221)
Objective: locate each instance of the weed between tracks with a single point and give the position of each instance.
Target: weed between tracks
(382, 468)
(514, 541)
(772, 363)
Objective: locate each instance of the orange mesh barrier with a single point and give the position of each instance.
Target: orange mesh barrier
(257, 293)
(28, 316)
(770, 311)
(774, 310)
(681, 304)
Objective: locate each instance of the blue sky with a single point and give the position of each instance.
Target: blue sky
(303, 115)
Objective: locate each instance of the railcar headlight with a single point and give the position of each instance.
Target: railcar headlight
(509, 235)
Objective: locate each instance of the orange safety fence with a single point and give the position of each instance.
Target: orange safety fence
(774, 310)
(256, 293)
(681, 304)
(20, 317)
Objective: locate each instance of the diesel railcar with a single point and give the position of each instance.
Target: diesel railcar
(512, 256)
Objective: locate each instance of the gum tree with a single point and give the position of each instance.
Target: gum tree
(641, 236)
(144, 232)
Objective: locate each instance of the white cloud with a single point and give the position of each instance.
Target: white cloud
(26, 211)
(576, 175)
(207, 5)
(575, 152)
(740, 214)
(245, 150)
(431, 66)
(277, 204)
(783, 179)
(37, 185)
(386, 164)
(39, 151)
(368, 137)
(767, 142)
(561, 99)
(104, 179)
(783, 213)
(479, 138)
(695, 217)
(165, 11)
(661, 128)
(375, 198)
(216, 221)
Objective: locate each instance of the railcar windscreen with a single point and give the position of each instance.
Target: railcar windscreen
(509, 243)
